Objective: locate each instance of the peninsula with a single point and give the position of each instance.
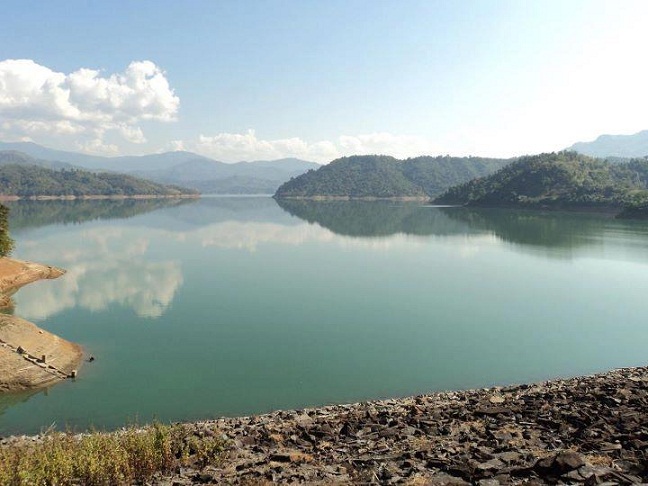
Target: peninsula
(30, 357)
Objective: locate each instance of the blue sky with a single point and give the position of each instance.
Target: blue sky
(320, 79)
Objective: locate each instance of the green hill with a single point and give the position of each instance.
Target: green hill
(380, 176)
(557, 180)
(31, 180)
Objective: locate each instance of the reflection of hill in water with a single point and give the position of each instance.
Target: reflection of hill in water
(551, 230)
(556, 233)
(376, 218)
(28, 214)
(533, 228)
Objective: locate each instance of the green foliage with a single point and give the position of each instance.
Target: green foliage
(379, 176)
(30, 181)
(554, 180)
(128, 456)
(6, 243)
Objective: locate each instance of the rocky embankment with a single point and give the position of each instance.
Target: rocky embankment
(30, 357)
(589, 430)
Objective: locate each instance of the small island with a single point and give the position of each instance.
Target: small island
(371, 177)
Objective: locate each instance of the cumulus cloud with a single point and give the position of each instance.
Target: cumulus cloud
(231, 147)
(36, 101)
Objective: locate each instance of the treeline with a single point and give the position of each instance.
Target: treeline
(6, 243)
(557, 180)
(30, 180)
(380, 176)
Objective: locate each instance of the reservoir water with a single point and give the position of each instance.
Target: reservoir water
(240, 305)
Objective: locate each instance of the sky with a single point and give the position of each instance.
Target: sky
(313, 79)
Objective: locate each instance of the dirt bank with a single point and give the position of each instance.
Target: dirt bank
(23, 345)
(22, 348)
(16, 273)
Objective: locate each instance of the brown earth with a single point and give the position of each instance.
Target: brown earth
(23, 345)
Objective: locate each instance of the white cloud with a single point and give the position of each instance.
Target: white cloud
(36, 101)
(231, 147)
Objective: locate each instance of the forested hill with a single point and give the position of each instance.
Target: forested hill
(32, 180)
(380, 176)
(558, 180)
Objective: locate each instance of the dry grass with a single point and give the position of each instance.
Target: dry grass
(129, 456)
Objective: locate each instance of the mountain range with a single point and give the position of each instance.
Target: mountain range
(615, 146)
(184, 168)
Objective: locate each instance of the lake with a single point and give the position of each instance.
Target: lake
(240, 305)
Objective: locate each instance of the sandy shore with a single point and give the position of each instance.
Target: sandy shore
(30, 357)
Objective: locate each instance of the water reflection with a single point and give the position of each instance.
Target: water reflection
(553, 234)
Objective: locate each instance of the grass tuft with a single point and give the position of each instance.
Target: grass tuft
(132, 455)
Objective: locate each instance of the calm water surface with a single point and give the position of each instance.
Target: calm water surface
(229, 306)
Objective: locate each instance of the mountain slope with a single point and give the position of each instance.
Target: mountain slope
(32, 180)
(379, 176)
(558, 180)
(8, 157)
(623, 146)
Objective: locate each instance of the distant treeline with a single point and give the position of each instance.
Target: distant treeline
(31, 180)
(6, 243)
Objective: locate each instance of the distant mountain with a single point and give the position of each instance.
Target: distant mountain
(210, 176)
(8, 157)
(557, 180)
(185, 168)
(380, 176)
(615, 146)
(29, 179)
(96, 162)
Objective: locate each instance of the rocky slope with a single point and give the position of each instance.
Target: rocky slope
(589, 430)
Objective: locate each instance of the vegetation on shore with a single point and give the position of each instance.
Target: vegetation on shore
(6, 243)
(380, 176)
(30, 181)
(557, 180)
(133, 455)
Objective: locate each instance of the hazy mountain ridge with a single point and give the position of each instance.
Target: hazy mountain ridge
(613, 146)
(381, 176)
(557, 180)
(184, 168)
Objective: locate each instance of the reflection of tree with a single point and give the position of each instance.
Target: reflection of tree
(27, 213)
(375, 218)
(557, 230)
(6, 243)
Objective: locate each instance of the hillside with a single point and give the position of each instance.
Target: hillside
(556, 180)
(31, 180)
(13, 157)
(380, 176)
(615, 146)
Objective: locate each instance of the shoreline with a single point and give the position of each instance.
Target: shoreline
(30, 357)
(99, 197)
(353, 198)
(587, 430)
